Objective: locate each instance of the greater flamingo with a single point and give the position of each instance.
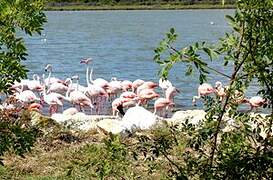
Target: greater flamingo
(26, 96)
(136, 84)
(49, 80)
(254, 102)
(203, 90)
(53, 100)
(126, 85)
(146, 85)
(78, 97)
(165, 103)
(96, 93)
(147, 94)
(219, 90)
(99, 81)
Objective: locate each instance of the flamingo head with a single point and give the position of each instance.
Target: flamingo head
(48, 68)
(86, 61)
(76, 77)
(218, 85)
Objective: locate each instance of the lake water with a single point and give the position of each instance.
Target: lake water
(121, 44)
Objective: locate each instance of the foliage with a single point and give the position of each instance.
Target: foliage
(248, 48)
(16, 133)
(143, 2)
(24, 15)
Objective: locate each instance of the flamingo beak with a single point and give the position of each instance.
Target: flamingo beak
(178, 91)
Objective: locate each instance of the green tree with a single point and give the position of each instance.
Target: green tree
(241, 153)
(17, 15)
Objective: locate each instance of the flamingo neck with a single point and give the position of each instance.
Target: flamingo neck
(86, 76)
(91, 74)
(49, 76)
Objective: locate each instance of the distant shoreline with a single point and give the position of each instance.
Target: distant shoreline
(84, 7)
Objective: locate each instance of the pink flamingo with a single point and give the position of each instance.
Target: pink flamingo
(119, 103)
(126, 85)
(114, 87)
(254, 102)
(219, 90)
(94, 92)
(128, 94)
(99, 81)
(57, 88)
(78, 97)
(165, 103)
(203, 90)
(53, 100)
(35, 85)
(146, 85)
(136, 84)
(26, 96)
(49, 80)
(147, 94)
(26, 84)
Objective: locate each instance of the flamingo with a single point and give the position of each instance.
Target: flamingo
(26, 84)
(147, 94)
(114, 87)
(57, 88)
(203, 90)
(126, 99)
(78, 97)
(49, 80)
(138, 117)
(26, 96)
(136, 84)
(35, 84)
(53, 100)
(146, 85)
(126, 85)
(99, 81)
(119, 103)
(94, 92)
(165, 103)
(219, 90)
(254, 102)
(128, 94)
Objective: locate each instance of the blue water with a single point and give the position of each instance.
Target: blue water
(121, 44)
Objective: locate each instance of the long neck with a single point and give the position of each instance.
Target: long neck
(77, 85)
(86, 76)
(49, 75)
(91, 74)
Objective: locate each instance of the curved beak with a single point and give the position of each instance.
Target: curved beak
(178, 91)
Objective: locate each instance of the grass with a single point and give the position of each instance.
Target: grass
(90, 155)
(136, 7)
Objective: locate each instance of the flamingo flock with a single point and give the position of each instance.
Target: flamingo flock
(97, 95)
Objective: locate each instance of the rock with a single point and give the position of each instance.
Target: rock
(193, 116)
(61, 118)
(111, 125)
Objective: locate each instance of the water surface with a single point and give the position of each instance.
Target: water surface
(121, 44)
